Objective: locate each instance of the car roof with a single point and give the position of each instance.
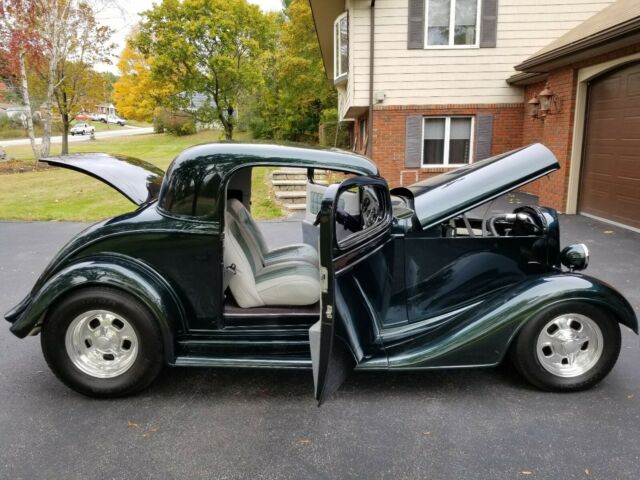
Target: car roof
(228, 157)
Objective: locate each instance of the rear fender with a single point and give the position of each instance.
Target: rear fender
(115, 271)
(482, 335)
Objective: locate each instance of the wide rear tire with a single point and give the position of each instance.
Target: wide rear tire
(567, 347)
(102, 342)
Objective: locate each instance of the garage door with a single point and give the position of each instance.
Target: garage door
(610, 180)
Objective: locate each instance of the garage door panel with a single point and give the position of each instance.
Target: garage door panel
(633, 85)
(608, 88)
(603, 129)
(610, 177)
(628, 169)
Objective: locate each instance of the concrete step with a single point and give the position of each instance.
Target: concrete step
(284, 185)
(292, 196)
(299, 174)
(295, 206)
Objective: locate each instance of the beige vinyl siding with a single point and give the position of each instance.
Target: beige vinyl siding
(449, 75)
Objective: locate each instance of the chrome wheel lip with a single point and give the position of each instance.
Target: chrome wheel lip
(569, 345)
(101, 344)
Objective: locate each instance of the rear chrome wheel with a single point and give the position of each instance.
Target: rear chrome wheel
(101, 343)
(568, 347)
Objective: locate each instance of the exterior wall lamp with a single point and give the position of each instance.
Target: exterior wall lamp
(544, 103)
(534, 107)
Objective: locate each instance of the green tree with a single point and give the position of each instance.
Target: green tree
(296, 90)
(211, 47)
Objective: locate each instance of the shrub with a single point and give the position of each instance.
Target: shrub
(175, 123)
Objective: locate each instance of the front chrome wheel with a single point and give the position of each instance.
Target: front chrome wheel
(101, 343)
(569, 345)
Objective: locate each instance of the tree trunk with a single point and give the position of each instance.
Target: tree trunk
(48, 108)
(54, 25)
(65, 134)
(26, 101)
(227, 125)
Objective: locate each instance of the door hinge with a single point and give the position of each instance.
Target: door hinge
(324, 279)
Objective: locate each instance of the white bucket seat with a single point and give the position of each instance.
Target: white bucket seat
(260, 252)
(255, 285)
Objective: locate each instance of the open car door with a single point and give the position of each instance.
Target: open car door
(355, 221)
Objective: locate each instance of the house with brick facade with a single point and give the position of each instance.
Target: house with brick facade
(430, 85)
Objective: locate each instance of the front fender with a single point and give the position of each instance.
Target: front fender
(116, 271)
(482, 335)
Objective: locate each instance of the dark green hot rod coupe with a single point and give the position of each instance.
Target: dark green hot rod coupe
(420, 277)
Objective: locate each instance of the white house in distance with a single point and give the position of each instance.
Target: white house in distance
(455, 81)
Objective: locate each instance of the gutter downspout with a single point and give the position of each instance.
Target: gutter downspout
(372, 30)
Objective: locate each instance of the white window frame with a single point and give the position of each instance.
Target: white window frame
(447, 138)
(336, 38)
(452, 26)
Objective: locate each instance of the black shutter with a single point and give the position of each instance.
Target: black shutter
(416, 24)
(413, 142)
(484, 135)
(489, 24)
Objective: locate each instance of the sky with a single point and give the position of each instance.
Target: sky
(125, 16)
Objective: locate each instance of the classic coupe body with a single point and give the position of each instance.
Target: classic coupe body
(420, 277)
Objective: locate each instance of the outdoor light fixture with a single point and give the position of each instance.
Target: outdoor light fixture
(550, 103)
(544, 103)
(534, 107)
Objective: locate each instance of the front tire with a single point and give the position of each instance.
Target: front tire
(102, 342)
(567, 347)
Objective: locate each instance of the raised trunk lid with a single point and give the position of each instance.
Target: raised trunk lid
(136, 179)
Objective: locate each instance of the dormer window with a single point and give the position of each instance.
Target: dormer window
(341, 47)
(452, 23)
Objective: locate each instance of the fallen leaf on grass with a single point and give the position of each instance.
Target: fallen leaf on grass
(303, 441)
(526, 472)
(131, 424)
(426, 433)
(587, 471)
(630, 396)
(608, 232)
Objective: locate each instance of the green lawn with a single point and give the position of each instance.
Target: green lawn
(59, 194)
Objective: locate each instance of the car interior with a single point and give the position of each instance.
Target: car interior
(284, 283)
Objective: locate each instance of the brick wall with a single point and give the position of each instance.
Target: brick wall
(389, 123)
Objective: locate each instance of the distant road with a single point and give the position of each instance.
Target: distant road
(125, 132)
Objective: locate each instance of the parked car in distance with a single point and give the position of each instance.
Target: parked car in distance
(116, 120)
(428, 276)
(82, 129)
(96, 117)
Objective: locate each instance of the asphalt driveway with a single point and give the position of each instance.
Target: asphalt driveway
(204, 423)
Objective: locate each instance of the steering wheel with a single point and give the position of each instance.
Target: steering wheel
(370, 209)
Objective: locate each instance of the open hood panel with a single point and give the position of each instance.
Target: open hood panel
(442, 197)
(137, 180)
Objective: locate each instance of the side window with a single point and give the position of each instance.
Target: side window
(341, 46)
(191, 190)
(360, 210)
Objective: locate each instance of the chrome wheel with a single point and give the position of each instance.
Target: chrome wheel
(569, 345)
(101, 344)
